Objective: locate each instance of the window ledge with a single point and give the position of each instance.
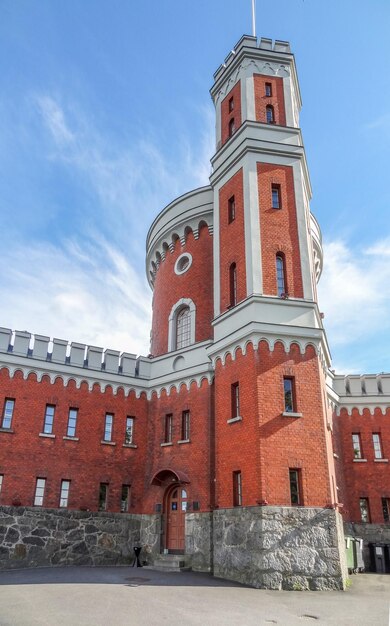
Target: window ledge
(7, 430)
(360, 460)
(108, 443)
(184, 441)
(166, 443)
(381, 460)
(67, 438)
(129, 445)
(291, 414)
(238, 418)
(49, 435)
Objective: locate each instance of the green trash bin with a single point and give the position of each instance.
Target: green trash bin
(350, 554)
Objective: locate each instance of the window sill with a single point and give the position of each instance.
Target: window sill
(238, 418)
(184, 441)
(129, 445)
(291, 414)
(7, 430)
(49, 435)
(381, 460)
(166, 443)
(67, 438)
(108, 443)
(360, 460)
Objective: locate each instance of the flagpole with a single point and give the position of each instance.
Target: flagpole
(254, 18)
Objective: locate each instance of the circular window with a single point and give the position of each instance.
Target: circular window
(183, 263)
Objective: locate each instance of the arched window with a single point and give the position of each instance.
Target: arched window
(280, 275)
(269, 112)
(233, 285)
(183, 328)
(232, 127)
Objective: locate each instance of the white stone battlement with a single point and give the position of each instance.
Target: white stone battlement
(24, 344)
(362, 385)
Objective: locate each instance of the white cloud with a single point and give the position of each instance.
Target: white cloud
(54, 119)
(354, 293)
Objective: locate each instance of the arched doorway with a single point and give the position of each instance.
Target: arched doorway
(175, 507)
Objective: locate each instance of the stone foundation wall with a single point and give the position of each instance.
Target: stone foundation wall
(198, 540)
(31, 537)
(280, 547)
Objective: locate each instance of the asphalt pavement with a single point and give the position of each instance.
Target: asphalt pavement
(116, 596)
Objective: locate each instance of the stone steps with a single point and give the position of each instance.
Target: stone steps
(171, 563)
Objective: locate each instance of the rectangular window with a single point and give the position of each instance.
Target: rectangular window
(235, 399)
(357, 446)
(72, 421)
(108, 427)
(231, 104)
(376, 440)
(1, 481)
(386, 509)
(129, 434)
(103, 496)
(232, 127)
(364, 510)
(289, 395)
(237, 489)
(268, 89)
(276, 197)
(39, 491)
(125, 498)
(8, 412)
(65, 484)
(49, 419)
(168, 428)
(185, 426)
(295, 487)
(233, 285)
(231, 209)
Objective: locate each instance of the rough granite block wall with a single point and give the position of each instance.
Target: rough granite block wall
(280, 547)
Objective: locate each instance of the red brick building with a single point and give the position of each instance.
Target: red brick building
(235, 419)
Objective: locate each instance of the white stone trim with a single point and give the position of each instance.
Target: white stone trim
(187, 255)
(253, 257)
(303, 232)
(183, 302)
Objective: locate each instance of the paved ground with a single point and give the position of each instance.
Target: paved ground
(108, 596)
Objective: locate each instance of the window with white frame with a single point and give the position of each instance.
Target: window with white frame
(125, 498)
(181, 324)
(72, 421)
(49, 419)
(8, 412)
(183, 328)
(129, 433)
(64, 496)
(376, 440)
(357, 446)
(39, 491)
(185, 426)
(1, 481)
(108, 427)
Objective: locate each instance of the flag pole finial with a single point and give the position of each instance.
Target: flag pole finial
(254, 18)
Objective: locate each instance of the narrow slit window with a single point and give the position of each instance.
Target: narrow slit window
(232, 127)
(231, 105)
(235, 399)
(8, 412)
(49, 419)
(364, 510)
(237, 489)
(268, 89)
(295, 487)
(289, 395)
(233, 285)
(376, 440)
(386, 509)
(39, 491)
(231, 209)
(185, 426)
(108, 422)
(103, 496)
(276, 198)
(64, 497)
(280, 276)
(1, 481)
(129, 433)
(168, 423)
(72, 422)
(357, 446)
(269, 112)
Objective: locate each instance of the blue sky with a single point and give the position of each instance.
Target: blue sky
(105, 116)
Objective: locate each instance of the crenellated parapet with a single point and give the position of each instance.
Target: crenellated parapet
(360, 392)
(21, 351)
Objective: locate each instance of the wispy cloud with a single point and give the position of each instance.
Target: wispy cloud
(354, 293)
(54, 119)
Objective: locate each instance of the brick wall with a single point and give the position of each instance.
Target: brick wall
(276, 100)
(279, 229)
(196, 284)
(235, 113)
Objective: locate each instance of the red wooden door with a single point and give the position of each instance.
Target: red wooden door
(176, 509)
